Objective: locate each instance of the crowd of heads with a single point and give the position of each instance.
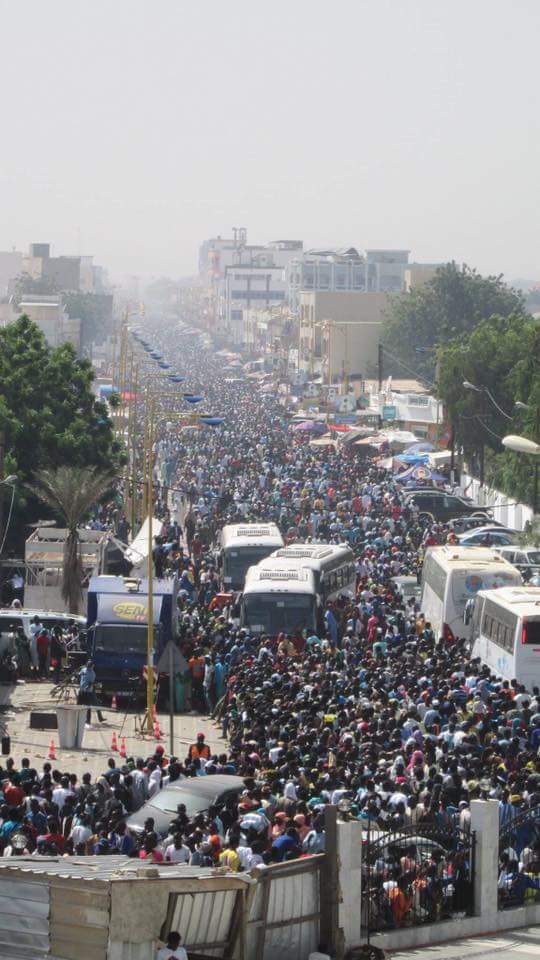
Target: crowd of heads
(372, 712)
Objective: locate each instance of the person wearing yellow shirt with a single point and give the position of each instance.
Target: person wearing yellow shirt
(229, 857)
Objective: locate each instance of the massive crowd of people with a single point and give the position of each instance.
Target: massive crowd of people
(373, 713)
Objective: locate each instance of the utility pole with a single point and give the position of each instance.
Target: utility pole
(537, 438)
(380, 365)
(2, 488)
(380, 371)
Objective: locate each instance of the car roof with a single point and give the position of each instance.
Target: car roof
(209, 786)
(487, 527)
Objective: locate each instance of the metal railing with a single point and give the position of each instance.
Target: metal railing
(417, 875)
(519, 859)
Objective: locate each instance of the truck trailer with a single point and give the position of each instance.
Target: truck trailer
(118, 629)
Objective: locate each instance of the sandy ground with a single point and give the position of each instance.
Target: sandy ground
(17, 702)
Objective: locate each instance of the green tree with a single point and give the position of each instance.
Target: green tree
(94, 310)
(450, 305)
(25, 286)
(500, 355)
(48, 412)
(49, 415)
(71, 492)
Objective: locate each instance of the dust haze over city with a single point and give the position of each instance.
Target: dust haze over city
(133, 130)
(269, 480)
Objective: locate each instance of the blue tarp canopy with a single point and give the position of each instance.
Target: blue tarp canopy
(423, 446)
(420, 474)
(412, 458)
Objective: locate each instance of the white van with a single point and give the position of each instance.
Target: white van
(11, 618)
(505, 633)
(453, 575)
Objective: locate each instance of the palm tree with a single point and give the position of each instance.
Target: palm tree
(71, 492)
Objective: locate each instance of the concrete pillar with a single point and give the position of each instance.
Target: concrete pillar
(485, 821)
(349, 845)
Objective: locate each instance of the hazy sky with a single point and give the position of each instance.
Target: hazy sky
(133, 129)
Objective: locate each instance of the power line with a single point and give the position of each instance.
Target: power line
(414, 373)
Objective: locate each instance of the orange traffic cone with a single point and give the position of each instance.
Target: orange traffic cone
(51, 754)
(113, 702)
(123, 752)
(114, 744)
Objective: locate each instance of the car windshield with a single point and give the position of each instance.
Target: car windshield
(116, 638)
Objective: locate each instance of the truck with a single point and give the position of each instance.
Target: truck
(117, 630)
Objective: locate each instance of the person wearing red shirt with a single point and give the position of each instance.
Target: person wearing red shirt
(53, 835)
(42, 641)
(150, 851)
(13, 794)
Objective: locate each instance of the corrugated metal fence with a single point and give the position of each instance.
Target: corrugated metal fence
(284, 917)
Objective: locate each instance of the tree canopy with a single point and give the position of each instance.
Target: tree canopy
(450, 305)
(71, 492)
(501, 356)
(94, 310)
(48, 413)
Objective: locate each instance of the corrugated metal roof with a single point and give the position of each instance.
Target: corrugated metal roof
(109, 868)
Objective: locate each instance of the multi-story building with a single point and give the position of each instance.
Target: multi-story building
(50, 315)
(11, 262)
(384, 270)
(339, 333)
(324, 270)
(375, 271)
(249, 285)
(238, 276)
(417, 274)
(70, 274)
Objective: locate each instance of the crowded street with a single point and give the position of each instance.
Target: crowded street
(372, 712)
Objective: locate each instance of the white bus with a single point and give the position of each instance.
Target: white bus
(243, 545)
(333, 566)
(506, 633)
(279, 597)
(453, 575)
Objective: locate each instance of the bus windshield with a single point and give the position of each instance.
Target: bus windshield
(237, 560)
(273, 614)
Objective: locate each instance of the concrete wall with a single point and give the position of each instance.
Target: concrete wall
(487, 919)
(505, 508)
(344, 326)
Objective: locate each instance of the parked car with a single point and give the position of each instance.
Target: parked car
(526, 559)
(464, 524)
(408, 587)
(488, 536)
(441, 506)
(197, 793)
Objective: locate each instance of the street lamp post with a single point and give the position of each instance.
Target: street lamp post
(8, 481)
(524, 445)
(513, 442)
